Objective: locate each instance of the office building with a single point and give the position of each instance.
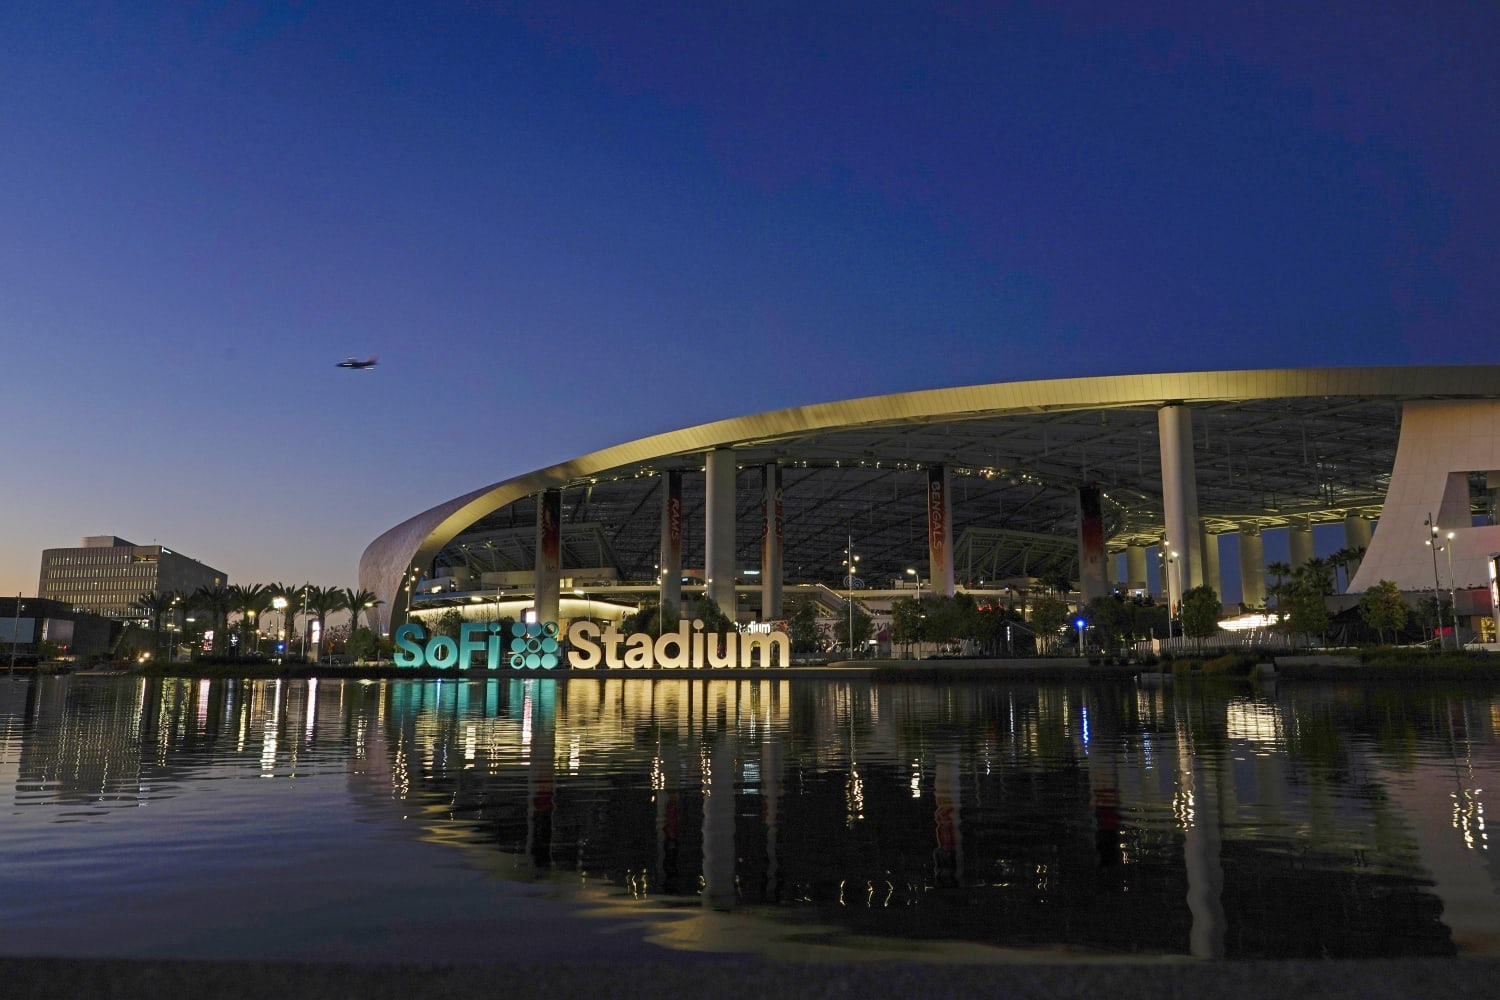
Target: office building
(105, 575)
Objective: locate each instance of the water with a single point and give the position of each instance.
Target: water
(687, 819)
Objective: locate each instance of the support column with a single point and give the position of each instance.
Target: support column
(1252, 568)
(1356, 539)
(940, 530)
(1091, 574)
(670, 582)
(1300, 543)
(548, 554)
(1209, 544)
(770, 543)
(718, 530)
(1179, 489)
(1135, 568)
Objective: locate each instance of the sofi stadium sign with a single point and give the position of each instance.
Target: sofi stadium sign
(536, 646)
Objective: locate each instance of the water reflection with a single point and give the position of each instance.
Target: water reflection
(1309, 821)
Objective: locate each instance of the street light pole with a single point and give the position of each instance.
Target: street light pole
(850, 561)
(1437, 586)
(1452, 597)
(304, 621)
(15, 637)
(1174, 584)
(918, 577)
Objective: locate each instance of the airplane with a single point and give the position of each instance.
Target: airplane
(352, 362)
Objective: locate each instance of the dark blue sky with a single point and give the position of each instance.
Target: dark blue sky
(560, 230)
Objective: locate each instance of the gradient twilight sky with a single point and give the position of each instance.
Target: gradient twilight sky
(563, 226)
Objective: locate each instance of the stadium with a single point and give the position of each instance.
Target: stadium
(1152, 484)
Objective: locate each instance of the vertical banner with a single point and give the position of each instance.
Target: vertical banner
(771, 540)
(548, 554)
(939, 530)
(671, 541)
(1091, 583)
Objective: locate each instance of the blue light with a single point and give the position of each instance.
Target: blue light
(1079, 624)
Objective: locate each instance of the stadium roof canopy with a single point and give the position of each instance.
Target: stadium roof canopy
(1272, 448)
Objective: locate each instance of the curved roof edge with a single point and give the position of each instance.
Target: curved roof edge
(418, 539)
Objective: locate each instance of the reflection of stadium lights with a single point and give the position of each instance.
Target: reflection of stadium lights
(1244, 623)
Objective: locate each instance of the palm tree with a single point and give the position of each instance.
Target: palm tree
(250, 601)
(1316, 573)
(156, 606)
(1279, 590)
(1347, 559)
(292, 594)
(356, 601)
(218, 602)
(322, 602)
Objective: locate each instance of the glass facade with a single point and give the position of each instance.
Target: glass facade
(108, 579)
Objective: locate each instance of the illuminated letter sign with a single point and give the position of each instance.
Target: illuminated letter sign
(532, 646)
(535, 646)
(680, 650)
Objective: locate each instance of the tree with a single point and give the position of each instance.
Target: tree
(802, 626)
(651, 618)
(1113, 617)
(362, 644)
(1306, 593)
(1343, 559)
(1382, 607)
(713, 617)
(1056, 581)
(216, 603)
(946, 618)
(322, 602)
(292, 595)
(155, 606)
(1148, 618)
(906, 621)
(1277, 590)
(250, 601)
(862, 627)
(1201, 609)
(1048, 616)
(355, 601)
(1435, 611)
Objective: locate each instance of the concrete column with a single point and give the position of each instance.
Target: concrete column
(1300, 542)
(548, 554)
(1135, 567)
(1356, 538)
(940, 530)
(1092, 580)
(1209, 545)
(671, 541)
(1252, 568)
(770, 543)
(1179, 488)
(718, 529)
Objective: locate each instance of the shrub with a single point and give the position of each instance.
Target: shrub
(1230, 665)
